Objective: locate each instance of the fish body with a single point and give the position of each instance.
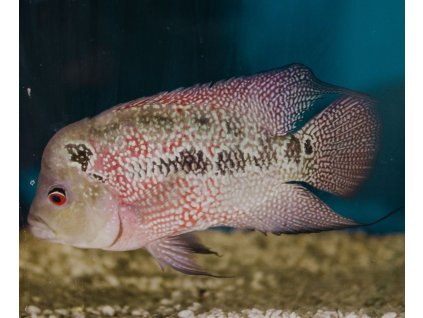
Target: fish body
(148, 172)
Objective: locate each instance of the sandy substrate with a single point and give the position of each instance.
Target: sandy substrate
(315, 275)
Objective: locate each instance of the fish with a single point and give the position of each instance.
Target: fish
(240, 153)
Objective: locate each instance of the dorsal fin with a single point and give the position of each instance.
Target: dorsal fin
(277, 100)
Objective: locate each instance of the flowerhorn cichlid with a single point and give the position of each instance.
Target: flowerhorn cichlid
(236, 153)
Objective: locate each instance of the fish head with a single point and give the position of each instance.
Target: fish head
(70, 207)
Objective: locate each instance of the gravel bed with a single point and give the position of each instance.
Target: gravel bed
(336, 274)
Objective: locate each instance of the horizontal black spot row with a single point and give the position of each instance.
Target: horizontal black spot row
(189, 161)
(235, 160)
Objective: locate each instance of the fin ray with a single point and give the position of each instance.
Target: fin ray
(344, 139)
(290, 208)
(177, 252)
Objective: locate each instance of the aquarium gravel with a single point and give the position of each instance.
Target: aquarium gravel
(335, 274)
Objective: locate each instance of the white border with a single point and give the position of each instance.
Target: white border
(9, 235)
(9, 164)
(413, 156)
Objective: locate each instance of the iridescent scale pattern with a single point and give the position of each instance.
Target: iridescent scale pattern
(218, 155)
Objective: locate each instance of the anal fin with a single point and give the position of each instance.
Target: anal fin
(177, 252)
(289, 209)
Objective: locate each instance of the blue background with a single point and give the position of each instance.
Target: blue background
(82, 57)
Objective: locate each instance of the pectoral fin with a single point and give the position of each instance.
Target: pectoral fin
(177, 252)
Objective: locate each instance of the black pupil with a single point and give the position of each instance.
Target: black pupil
(57, 198)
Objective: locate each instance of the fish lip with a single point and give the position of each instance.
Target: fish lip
(40, 228)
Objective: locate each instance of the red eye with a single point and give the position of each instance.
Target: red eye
(57, 196)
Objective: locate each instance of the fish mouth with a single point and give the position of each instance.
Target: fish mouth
(40, 228)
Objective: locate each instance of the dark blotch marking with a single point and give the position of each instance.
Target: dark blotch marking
(101, 130)
(98, 177)
(221, 162)
(188, 160)
(293, 150)
(194, 161)
(163, 120)
(236, 161)
(230, 161)
(232, 127)
(308, 147)
(227, 161)
(265, 158)
(155, 119)
(79, 153)
(203, 120)
(228, 126)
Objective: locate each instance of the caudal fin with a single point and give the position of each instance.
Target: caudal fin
(339, 145)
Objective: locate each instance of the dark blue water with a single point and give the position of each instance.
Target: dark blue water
(81, 57)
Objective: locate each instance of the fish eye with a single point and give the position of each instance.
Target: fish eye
(57, 196)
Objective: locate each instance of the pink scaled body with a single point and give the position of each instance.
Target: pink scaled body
(148, 172)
